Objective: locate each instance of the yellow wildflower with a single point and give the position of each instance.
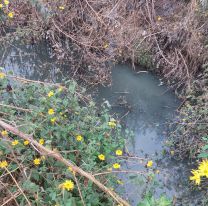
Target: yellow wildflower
(50, 94)
(50, 111)
(6, 2)
(106, 45)
(159, 18)
(60, 89)
(41, 141)
(15, 142)
(37, 161)
(1, 6)
(26, 142)
(157, 171)
(112, 124)
(149, 163)
(79, 138)
(11, 14)
(4, 133)
(61, 7)
(119, 152)
(203, 168)
(196, 177)
(3, 164)
(101, 157)
(2, 75)
(68, 185)
(120, 182)
(116, 166)
(53, 120)
(172, 152)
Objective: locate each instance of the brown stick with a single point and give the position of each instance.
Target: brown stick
(60, 158)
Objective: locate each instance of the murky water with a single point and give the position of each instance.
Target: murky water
(142, 103)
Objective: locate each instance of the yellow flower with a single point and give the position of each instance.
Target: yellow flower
(61, 7)
(203, 168)
(60, 89)
(41, 141)
(119, 152)
(1, 6)
(196, 177)
(4, 133)
(26, 142)
(53, 120)
(112, 124)
(50, 111)
(37, 161)
(50, 94)
(172, 152)
(149, 163)
(6, 2)
(2, 75)
(157, 171)
(106, 45)
(71, 170)
(116, 166)
(159, 18)
(120, 182)
(68, 185)
(79, 138)
(3, 164)
(101, 157)
(11, 15)
(15, 142)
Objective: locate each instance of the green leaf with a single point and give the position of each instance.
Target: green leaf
(203, 155)
(30, 186)
(205, 147)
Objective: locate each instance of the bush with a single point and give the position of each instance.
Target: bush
(65, 120)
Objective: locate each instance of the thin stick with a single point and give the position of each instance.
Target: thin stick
(18, 186)
(13, 197)
(23, 80)
(17, 108)
(60, 158)
(120, 171)
(80, 193)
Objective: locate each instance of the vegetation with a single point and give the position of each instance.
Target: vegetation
(87, 35)
(58, 118)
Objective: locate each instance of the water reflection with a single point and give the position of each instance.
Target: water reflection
(150, 106)
(33, 62)
(140, 99)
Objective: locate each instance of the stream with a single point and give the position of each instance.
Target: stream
(143, 104)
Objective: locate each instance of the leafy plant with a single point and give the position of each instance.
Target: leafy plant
(65, 120)
(149, 200)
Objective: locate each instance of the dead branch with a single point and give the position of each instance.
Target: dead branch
(60, 158)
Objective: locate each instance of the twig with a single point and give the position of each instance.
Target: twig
(80, 193)
(13, 197)
(17, 108)
(84, 98)
(60, 158)
(18, 186)
(119, 171)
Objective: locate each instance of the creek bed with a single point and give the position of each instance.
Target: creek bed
(144, 105)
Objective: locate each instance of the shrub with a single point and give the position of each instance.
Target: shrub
(65, 120)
